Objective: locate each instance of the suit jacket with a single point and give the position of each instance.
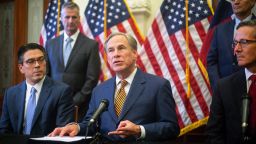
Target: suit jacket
(82, 70)
(224, 125)
(54, 108)
(149, 103)
(221, 61)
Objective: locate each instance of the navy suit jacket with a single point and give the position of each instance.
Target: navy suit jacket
(149, 103)
(225, 120)
(221, 61)
(54, 108)
(83, 66)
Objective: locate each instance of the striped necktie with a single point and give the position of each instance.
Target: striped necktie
(120, 98)
(30, 111)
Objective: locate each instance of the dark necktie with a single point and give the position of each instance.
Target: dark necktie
(30, 111)
(252, 94)
(120, 98)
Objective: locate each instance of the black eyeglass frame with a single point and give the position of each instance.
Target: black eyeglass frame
(243, 43)
(33, 61)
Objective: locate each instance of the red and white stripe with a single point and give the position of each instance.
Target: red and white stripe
(165, 56)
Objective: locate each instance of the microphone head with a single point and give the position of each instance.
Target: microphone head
(105, 101)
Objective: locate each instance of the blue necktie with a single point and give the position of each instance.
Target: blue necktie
(30, 111)
(67, 50)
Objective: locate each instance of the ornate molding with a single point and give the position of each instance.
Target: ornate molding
(140, 6)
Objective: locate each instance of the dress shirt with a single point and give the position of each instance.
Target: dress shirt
(247, 75)
(74, 37)
(38, 87)
(129, 80)
(237, 21)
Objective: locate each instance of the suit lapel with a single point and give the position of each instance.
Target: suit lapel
(20, 98)
(230, 30)
(44, 94)
(60, 50)
(110, 89)
(239, 85)
(75, 50)
(137, 87)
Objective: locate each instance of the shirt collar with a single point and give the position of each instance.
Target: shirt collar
(246, 19)
(129, 79)
(37, 86)
(74, 36)
(248, 73)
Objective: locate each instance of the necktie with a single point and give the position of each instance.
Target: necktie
(252, 94)
(120, 98)
(30, 111)
(67, 50)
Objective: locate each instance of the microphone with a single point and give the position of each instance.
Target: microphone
(102, 107)
(245, 112)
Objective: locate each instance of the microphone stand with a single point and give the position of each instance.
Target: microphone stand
(245, 116)
(96, 139)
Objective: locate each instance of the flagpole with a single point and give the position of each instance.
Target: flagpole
(187, 50)
(58, 19)
(105, 37)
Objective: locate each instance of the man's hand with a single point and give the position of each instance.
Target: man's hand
(70, 130)
(126, 129)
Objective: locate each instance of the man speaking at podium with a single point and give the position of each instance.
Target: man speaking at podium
(141, 105)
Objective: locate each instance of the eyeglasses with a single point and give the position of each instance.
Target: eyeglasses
(33, 61)
(243, 43)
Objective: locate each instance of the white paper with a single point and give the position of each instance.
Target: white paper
(62, 139)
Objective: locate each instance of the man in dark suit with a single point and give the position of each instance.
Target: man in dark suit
(221, 61)
(148, 110)
(77, 65)
(38, 114)
(225, 121)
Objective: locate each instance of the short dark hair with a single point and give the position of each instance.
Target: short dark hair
(30, 46)
(250, 23)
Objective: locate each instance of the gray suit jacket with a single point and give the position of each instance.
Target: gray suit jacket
(54, 108)
(83, 66)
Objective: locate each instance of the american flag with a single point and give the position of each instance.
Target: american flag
(168, 54)
(52, 25)
(162, 53)
(107, 16)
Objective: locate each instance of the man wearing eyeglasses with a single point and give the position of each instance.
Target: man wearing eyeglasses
(221, 61)
(228, 104)
(37, 105)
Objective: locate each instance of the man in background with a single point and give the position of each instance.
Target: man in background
(38, 104)
(74, 58)
(221, 61)
(225, 120)
(141, 105)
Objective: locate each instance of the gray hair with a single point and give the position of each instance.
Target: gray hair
(131, 40)
(70, 5)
